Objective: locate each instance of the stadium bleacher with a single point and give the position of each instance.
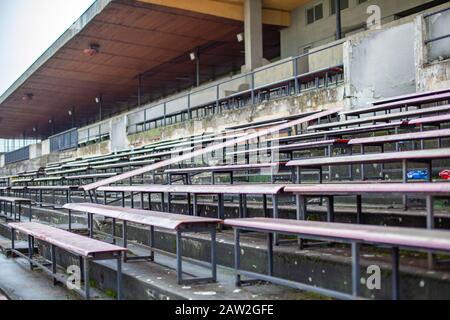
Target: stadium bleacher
(331, 142)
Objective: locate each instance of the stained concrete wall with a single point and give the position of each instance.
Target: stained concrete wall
(380, 64)
(35, 150)
(118, 131)
(307, 101)
(45, 148)
(300, 35)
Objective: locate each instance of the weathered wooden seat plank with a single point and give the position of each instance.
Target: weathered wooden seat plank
(414, 101)
(406, 238)
(373, 158)
(153, 219)
(382, 118)
(83, 247)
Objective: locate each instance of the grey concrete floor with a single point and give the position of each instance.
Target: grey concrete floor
(19, 283)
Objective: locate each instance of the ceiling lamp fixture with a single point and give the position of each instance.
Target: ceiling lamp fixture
(93, 50)
(193, 56)
(28, 97)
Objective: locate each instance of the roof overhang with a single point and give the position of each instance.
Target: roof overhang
(135, 38)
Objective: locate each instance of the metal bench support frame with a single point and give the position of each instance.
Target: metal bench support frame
(53, 270)
(271, 277)
(179, 235)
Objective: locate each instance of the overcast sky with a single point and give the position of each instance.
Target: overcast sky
(28, 28)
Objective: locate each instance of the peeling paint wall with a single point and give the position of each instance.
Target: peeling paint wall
(380, 64)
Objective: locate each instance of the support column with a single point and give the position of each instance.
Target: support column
(337, 4)
(253, 34)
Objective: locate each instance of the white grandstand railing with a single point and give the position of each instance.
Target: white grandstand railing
(321, 67)
(94, 133)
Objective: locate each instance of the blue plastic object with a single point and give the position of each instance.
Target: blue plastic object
(418, 175)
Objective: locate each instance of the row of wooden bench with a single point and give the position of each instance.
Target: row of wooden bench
(92, 250)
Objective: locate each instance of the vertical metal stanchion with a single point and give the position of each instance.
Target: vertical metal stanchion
(395, 274)
(119, 278)
(430, 225)
(125, 239)
(356, 272)
(87, 287)
(53, 259)
(358, 209)
(270, 254)
(237, 256)
(179, 257)
(30, 251)
(152, 243)
(213, 254)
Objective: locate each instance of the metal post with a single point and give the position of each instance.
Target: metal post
(221, 206)
(241, 207)
(275, 206)
(114, 230)
(30, 251)
(356, 272)
(91, 225)
(330, 209)
(213, 254)
(179, 257)
(169, 202)
(53, 259)
(270, 253)
(275, 216)
(337, 4)
(395, 274)
(189, 204)
(430, 225)
(195, 205)
(405, 180)
(237, 256)
(125, 241)
(162, 202)
(244, 204)
(86, 279)
(149, 201)
(119, 278)
(152, 243)
(13, 240)
(266, 213)
(358, 209)
(296, 75)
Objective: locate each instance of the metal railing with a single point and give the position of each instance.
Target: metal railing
(21, 154)
(320, 68)
(438, 34)
(95, 133)
(64, 141)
